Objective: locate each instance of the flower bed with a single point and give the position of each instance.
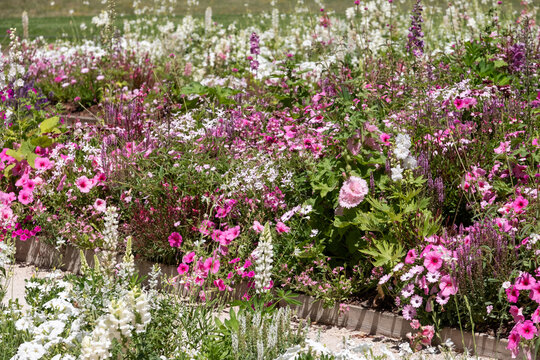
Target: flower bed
(401, 170)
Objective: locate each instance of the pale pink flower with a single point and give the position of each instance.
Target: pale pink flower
(84, 184)
(352, 192)
(433, 261)
(448, 286)
(257, 227)
(409, 312)
(100, 205)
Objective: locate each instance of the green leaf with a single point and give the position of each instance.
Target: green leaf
(384, 253)
(49, 125)
(17, 155)
(500, 63)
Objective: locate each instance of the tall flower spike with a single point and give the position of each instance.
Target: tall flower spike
(263, 261)
(415, 44)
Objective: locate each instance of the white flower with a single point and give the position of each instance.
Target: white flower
(30, 351)
(397, 173)
(410, 162)
(401, 152)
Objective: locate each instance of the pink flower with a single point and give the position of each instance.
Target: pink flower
(183, 268)
(29, 185)
(502, 148)
(384, 138)
(512, 294)
(535, 317)
(428, 332)
(42, 163)
(433, 261)
(415, 324)
(25, 197)
(409, 312)
(100, 205)
(188, 258)
(519, 203)
(175, 239)
(513, 340)
(517, 314)
(257, 227)
(527, 329)
(448, 286)
(352, 192)
(411, 256)
(215, 266)
(84, 184)
(281, 228)
(535, 292)
(220, 284)
(525, 282)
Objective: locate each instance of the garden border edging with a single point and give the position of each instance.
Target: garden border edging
(41, 254)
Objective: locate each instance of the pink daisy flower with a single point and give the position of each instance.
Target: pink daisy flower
(409, 312)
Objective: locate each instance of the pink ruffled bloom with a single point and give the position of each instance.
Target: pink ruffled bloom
(352, 192)
(512, 294)
(519, 204)
(220, 284)
(525, 282)
(433, 261)
(257, 227)
(84, 184)
(175, 239)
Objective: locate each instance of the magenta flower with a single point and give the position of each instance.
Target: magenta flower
(411, 256)
(433, 261)
(513, 340)
(182, 269)
(220, 284)
(352, 192)
(215, 266)
(512, 294)
(448, 286)
(527, 330)
(188, 258)
(535, 317)
(525, 282)
(535, 292)
(384, 139)
(519, 204)
(517, 314)
(282, 228)
(175, 239)
(25, 197)
(84, 184)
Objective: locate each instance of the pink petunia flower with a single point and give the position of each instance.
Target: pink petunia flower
(175, 239)
(188, 258)
(433, 261)
(512, 294)
(525, 282)
(448, 286)
(215, 266)
(25, 197)
(257, 227)
(517, 314)
(384, 139)
(513, 340)
(43, 163)
(183, 268)
(84, 184)
(535, 317)
(100, 205)
(352, 192)
(527, 330)
(535, 292)
(519, 204)
(220, 284)
(282, 228)
(411, 256)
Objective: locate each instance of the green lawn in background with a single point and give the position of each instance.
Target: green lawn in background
(64, 17)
